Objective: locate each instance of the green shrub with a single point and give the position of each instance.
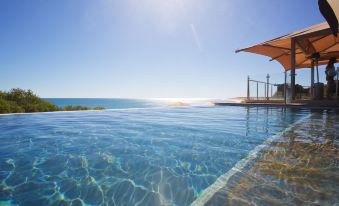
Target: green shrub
(98, 108)
(10, 107)
(77, 108)
(5, 107)
(20, 101)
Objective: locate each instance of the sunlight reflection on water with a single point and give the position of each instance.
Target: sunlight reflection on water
(159, 156)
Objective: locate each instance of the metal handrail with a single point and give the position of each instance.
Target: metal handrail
(251, 80)
(268, 88)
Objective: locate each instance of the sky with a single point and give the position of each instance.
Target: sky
(143, 48)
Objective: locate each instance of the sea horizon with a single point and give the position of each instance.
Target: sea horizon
(121, 103)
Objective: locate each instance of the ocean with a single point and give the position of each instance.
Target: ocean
(119, 103)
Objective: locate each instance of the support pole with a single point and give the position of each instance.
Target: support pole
(285, 88)
(293, 65)
(337, 85)
(257, 90)
(268, 87)
(312, 80)
(317, 66)
(248, 87)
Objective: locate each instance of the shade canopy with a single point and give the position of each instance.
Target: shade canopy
(311, 40)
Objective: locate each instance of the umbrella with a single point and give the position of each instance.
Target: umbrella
(317, 39)
(330, 10)
(305, 48)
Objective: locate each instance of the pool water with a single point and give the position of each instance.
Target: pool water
(297, 167)
(151, 156)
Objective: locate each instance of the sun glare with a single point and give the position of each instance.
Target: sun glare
(169, 12)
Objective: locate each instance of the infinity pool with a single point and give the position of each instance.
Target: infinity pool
(153, 156)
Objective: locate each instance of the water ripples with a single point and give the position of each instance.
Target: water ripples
(127, 157)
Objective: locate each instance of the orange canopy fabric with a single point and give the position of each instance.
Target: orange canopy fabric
(317, 38)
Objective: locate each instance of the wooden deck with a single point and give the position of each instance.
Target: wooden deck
(313, 104)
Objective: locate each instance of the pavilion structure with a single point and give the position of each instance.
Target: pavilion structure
(306, 48)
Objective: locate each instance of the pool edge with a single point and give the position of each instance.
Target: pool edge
(222, 181)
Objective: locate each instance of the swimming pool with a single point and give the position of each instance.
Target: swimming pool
(152, 156)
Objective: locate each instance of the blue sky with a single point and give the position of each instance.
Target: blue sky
(143, 48)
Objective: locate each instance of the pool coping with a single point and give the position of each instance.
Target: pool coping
(78, 111)
(279, 105)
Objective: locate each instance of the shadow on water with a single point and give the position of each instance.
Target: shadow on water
(300, 167)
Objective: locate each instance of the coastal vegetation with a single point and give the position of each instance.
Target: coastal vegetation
(26, 101)
(77, 108)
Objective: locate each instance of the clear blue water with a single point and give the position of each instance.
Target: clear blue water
(111, 103)
(106, 102)
(150, 156)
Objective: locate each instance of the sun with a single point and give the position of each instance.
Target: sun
(168, 13)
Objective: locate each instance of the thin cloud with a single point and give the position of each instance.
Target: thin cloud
(196, 38)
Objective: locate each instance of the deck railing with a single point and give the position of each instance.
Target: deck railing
(266, 91)
(262, 90)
